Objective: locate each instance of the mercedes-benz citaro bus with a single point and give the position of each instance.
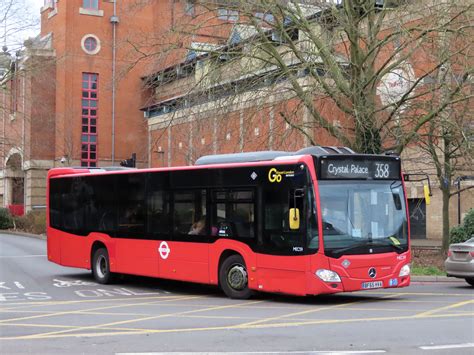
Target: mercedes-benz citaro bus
(317, 221)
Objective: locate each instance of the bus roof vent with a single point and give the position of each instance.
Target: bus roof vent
(240, 157)
(270, 155)
(105, 168)
(325, 150)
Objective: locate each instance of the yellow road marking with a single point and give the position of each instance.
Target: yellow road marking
(98, 326)
(134, 331)
(79, 311)
(265, 320)
(414, 293)
(107, 300)
(436, 310)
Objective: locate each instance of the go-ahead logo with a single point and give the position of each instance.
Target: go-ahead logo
(276, 176)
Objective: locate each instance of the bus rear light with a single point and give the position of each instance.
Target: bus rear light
(472, 253)
(328, 275)
(405, 270)
(450, 253)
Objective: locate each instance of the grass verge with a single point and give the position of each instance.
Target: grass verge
(427, 271)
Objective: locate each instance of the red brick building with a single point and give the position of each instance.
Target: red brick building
(208, 103)
(73, 96)
(89, 91)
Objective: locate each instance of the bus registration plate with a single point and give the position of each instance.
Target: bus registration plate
(372, 284)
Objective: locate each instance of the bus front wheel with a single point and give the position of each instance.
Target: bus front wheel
(233, 278)
(101, 266)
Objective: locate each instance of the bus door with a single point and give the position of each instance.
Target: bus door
(135, 252)
(186, 256)
(282, 263)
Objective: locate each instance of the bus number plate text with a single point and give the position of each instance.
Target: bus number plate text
(372, 284)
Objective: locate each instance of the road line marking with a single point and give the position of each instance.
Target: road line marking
(443, 347)
(132, 331)
(104, 300)
(53, 314)
(99, 326)
(436, 310)
(269, 319)
(267, 352)
(412, 293)
(22, 256)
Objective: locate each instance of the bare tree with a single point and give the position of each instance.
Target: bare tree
(363, 60)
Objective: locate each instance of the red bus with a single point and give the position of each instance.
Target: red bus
(321, 220)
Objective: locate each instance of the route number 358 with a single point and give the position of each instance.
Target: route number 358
(382, 170)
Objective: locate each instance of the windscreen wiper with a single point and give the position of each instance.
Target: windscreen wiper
(373, 243)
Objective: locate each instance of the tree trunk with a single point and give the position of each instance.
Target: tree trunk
(446, 196)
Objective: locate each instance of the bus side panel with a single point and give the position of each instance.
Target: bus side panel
(137, 257)
(184, 261)
(222, 245)
(54, 245)
(286, 274)
(75, 250)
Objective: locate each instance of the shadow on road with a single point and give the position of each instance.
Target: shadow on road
(149, 284)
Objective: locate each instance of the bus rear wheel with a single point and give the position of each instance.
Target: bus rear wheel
(233, 278)
(101, 266)
(470, 280)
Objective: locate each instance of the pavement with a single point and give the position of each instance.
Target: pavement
(420, 243)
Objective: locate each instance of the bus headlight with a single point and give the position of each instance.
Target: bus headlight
(405, 270)
(328, 275)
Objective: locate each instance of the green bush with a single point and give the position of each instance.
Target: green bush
(468, 223)
(6, 219)
(33, 222)
(464, 231)
(457, 235)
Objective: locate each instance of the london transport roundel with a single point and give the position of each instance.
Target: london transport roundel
(164, 250)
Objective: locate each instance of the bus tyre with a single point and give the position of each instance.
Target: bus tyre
(101, 266)
(233, 278)
(470, 280)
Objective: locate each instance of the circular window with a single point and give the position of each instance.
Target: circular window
(90, 44)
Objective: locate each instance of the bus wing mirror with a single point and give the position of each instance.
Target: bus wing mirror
(426, 190)
(294, 218)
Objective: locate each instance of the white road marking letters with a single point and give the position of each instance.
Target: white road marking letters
(67, 283)
(12, 285)
(30, 296)
(111, 293)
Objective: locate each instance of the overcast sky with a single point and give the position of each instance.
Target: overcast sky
(35, 6)
(24, 12)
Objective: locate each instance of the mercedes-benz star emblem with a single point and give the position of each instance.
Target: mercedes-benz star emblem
(372, 272)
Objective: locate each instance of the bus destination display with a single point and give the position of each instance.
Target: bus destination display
(360, 169)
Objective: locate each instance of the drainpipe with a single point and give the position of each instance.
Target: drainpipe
(114, 20)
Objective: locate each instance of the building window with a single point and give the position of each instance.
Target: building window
(265, 17)
(90, 4)
(50, 4)
(14, 93)
(90, 44)
(89, 106)
(227, 15)
(189, 8)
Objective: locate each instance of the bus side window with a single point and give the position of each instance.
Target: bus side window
(131, 209)
(234, 213)
(189, 210)
(158, 212)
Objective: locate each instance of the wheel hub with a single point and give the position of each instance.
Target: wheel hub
(237, 277)
(101, 266)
